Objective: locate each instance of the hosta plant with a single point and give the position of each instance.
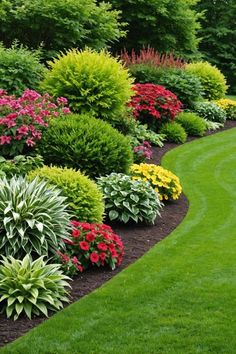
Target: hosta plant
(210, 111)
(33, 218)
(126, 199)
(19, 165)
(31, 287)
(92, 244)
(153, 105)
(23, 119)
(142, 133)
(164, 182)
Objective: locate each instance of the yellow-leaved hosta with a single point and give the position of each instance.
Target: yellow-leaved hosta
(229, 106)
(164, 182)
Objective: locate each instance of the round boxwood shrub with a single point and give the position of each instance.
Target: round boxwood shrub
(92, 82)
(192, 123)
(186, 86)
(33, 218)
(212, 80)
(126, 199)
(174, 132)
(87, 144)
(20, 69)
(210, 111)
(83, 195)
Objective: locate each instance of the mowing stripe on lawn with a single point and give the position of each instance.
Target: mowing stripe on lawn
(179, 298)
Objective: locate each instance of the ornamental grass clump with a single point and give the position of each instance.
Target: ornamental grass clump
(94, 83)
(164, 182)
(154, 105)
(83, 196)
(229, 106)
(126, 199)
(174, 132)
(30, 287)
(91, 245)
(33, 218)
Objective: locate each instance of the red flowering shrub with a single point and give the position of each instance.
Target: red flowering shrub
(91, 244)
(153, 104)
(23, 119)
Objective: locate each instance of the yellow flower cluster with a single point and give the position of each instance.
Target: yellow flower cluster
(164, 182)
(229, 106)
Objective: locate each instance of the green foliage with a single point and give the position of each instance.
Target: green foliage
(212, 80)
(87, 144)
(213, 125)
(31, 287)
(33, 218)
(59, 24)
(83, 197)
(126, 199)
(186, 86)
(20, 68)
(166, 25)
(192, 123)
(218, 32)
(20, 165)
(93, 83)
(140, 133)
(174, 132)
(210, 111)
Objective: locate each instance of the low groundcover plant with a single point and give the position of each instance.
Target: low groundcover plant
(91, 244)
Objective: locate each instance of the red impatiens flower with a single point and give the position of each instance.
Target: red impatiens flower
(84, 245)
(94, 257)
(76, 233)
(90, 237)
(102, 246)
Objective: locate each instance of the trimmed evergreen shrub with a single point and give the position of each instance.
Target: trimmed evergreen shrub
(87, 144)
(20, 69)
(212, 79)
(192, 123)
(93, 83)
(174, 132)
(83, 196)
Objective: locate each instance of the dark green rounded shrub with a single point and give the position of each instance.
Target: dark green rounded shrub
(186, 86)
(94, 83)
(83, 196)
(212, 79)
(86, 143)
(210, 111)
(174, 132)
(192, 123)
(20, 69)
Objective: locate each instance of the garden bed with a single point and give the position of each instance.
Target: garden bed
(135, 246)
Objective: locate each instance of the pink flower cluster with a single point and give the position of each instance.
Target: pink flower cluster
(23, 119)
(143, 152)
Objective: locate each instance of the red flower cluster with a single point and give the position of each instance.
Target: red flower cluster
(94, 244)
(23, 119)
(153, 101)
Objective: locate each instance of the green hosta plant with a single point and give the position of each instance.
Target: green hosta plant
(19, 165)
(141, 133)
(210, 111)
(31, 287)
(126, 199)
(33, 218)
(213, 125)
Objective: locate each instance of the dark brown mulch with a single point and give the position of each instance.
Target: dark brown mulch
(137, 240)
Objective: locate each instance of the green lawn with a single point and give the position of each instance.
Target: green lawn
(180, 298)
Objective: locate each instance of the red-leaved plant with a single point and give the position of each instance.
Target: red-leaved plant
(154, 105)
(91, 244)
(23, 119)
(150, 56)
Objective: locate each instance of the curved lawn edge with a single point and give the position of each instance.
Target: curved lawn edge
(177, 298)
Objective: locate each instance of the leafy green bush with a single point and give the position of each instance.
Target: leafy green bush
(186, 86)
(126, 199)
(192, 123)
(213, 125)
(20, 69)
(212, 80)
(60, 24)
(86, 144)
(141, 133)
(210, 111)
(174, 132)
(92, 82)
(33, 218)
(83, 196)
(20, 165)
(31, 287)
